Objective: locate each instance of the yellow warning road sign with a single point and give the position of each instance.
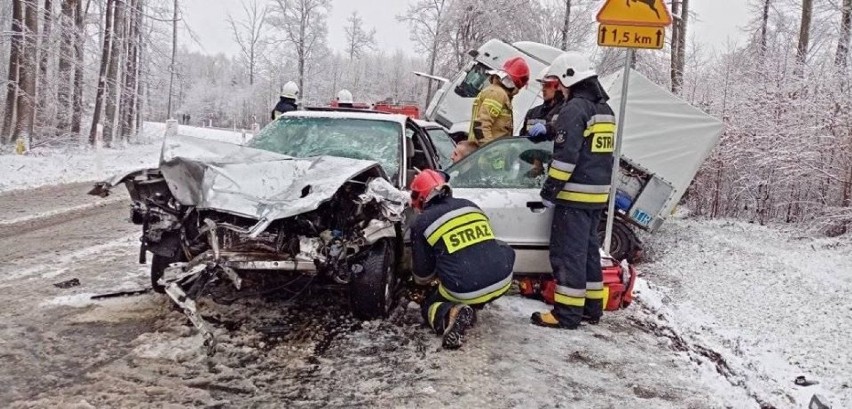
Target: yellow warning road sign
(631, 36)
(649, 13)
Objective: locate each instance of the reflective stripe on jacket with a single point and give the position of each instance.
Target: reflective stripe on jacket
(491, 117)
(452, 240)
(579, 174)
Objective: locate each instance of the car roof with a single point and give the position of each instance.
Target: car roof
(428, 124)
(349, 114)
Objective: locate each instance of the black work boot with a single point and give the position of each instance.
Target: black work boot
(547, 319)
(459, 320)
(591, 320)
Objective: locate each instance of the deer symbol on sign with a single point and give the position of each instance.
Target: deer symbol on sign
(652, 4)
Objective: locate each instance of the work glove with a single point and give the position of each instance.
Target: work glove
(537, 130)
(548, 204)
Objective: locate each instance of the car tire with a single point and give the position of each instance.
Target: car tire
(625, 245)
(158, 267)
(372, 290)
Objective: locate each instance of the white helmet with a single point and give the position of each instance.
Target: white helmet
(571, 67)
(542, 75)
(344, 97)
(290, 90)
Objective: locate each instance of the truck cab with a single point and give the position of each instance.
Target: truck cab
(665, 139)
(451, 105)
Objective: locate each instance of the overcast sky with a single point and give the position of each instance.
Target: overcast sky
(718, 21)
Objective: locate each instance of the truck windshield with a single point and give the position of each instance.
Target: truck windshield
(304, 137)
(475, 80)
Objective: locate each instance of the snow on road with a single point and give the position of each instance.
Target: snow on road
(54, 166)
(727, 315)
(774, 303)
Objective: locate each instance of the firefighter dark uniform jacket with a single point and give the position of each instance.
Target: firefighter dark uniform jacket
(580, 171)
(452, 240)
(284, 105)
(547, 112)
(492, 115)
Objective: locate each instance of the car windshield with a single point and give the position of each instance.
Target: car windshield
(475, 80)
(304, 137)
(443, 144)
(512, 163)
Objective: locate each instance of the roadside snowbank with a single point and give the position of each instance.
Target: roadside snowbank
(773, 303)
(54, 166)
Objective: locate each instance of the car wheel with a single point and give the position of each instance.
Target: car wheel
(372, 289)
(625, 245)
(158, 267)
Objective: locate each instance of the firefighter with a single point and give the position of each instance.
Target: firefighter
(344, 99)
(492, 109)
(452, 241)
(547, 112)
(578, 183)
(287, 102)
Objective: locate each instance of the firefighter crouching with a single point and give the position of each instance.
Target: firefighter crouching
(491, 118)
(578, 183)
(452, 241)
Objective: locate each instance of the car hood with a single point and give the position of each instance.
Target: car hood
(250, 182)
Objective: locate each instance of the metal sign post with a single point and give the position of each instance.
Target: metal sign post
(637, 24)
(616, 166)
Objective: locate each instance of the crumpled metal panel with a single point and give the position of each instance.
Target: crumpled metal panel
(392, 200)
(251, 182)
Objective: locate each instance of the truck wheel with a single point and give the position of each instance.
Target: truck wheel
(625, 245)
(158, 267)
(372, 290)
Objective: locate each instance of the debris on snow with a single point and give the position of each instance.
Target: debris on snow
(74, 282)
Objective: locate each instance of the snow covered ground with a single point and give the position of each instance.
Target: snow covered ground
(727, 315)
(53, 166)
(718, 323)
(773, 302)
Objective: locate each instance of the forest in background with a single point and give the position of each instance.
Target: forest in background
(784, 95)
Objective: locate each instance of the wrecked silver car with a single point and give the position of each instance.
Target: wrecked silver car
(314, 194)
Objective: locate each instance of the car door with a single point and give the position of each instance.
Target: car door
(504, 178)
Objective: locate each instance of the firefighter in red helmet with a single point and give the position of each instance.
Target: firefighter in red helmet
(452, 241)
(492, 109)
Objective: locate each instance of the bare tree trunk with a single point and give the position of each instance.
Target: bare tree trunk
(16, 40)
(302, 52)
(46, 109)
(66, 65)
(764, 24)
(174, 55)
(79, 39)
(27, 75)
(804, 31)
(141, 84)
(128, 99)
(102, 76)
(113, 74)
(675, 42)
(680, 51)
(842, 56)
(565, 25)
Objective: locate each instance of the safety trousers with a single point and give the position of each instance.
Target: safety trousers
(576, 262)
(437, 305)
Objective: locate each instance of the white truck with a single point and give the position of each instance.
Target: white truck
(665, 139)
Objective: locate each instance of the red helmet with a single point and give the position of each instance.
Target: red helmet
(518, 71)
(424, 187)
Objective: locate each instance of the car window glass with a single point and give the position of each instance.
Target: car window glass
(514, 163)
(304, 137)
(420, 156)
(443, 144)
(475, 80)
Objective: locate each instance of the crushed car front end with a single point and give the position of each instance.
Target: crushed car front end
(212, 212)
